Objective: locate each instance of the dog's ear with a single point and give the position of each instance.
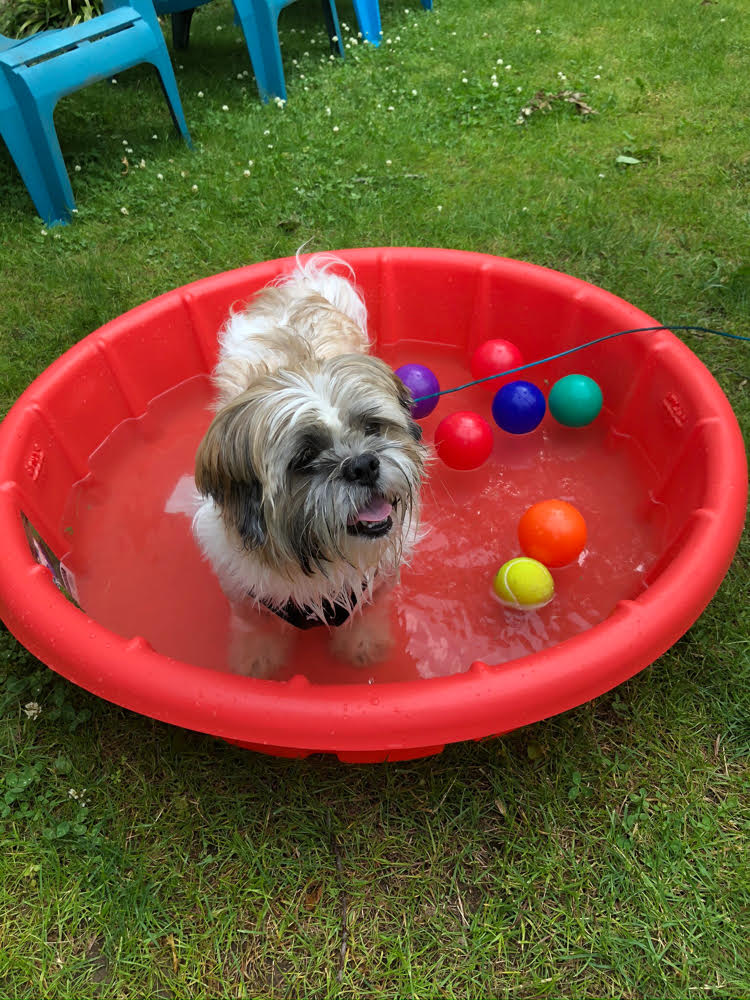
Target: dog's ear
(224, 471)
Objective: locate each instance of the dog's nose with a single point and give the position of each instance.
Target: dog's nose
(362, 469)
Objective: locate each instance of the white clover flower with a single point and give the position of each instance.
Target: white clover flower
(335, 128)
(413, 93)
(125, 142)
(266, 131)
(32, 708)
(160, 177)
(77, 168)
(246, 173)
(440, 208)
(194, 187)
(597, 76)
(495, 83)
(464, 80)
(43, 232)
(225, 107)
(124, 211)
(142, 164)
(388, 163)
(250, 163)
(328, 112)
(200, 93)
(538, 31)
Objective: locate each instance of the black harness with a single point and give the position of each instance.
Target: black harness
(305, 618)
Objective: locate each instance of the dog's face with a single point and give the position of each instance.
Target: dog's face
(317, 465)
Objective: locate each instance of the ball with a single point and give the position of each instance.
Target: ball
(553, 531)
(524, 584)
(518, 407)
(492, 358)
(463, 440)
(420, 381)
(575, 400)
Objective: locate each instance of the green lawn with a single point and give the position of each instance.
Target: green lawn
(602, 853)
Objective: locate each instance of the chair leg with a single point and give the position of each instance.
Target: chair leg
(163, 67)
(260, 27)
(331, 18)
(368, 17)
(37, 171)
(38, 116)
(181, 28)
(427, 4)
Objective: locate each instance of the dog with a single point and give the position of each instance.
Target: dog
(309, 473)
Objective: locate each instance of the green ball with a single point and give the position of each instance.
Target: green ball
(575, 400)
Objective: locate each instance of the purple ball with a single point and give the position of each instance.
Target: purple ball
(420, 381)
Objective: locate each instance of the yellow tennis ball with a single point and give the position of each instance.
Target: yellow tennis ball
(524, 584)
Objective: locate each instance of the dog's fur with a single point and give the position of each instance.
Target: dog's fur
(311, 469)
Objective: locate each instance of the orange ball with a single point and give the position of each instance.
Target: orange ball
(553, 532)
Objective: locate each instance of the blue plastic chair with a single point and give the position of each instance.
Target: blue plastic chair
(36, 72)
(367, 13)
(259, 20)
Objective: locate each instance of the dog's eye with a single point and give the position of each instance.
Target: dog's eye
(304, 459)
(373, 427)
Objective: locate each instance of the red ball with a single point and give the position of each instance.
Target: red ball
(552, 532)
(463, 440)
(493, 357)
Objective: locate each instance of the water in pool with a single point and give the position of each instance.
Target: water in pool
(138, 572)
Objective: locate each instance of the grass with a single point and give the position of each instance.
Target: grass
(602, 853)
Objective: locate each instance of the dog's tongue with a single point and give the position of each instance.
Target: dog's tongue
(377, 510)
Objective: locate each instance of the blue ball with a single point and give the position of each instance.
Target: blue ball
(420, 381)
(518, 407)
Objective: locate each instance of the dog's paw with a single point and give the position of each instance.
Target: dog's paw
(362, 644)
(256, 653)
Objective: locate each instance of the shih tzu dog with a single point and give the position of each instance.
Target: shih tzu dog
(309, 473)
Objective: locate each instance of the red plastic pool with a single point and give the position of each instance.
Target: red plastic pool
(661, 476)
